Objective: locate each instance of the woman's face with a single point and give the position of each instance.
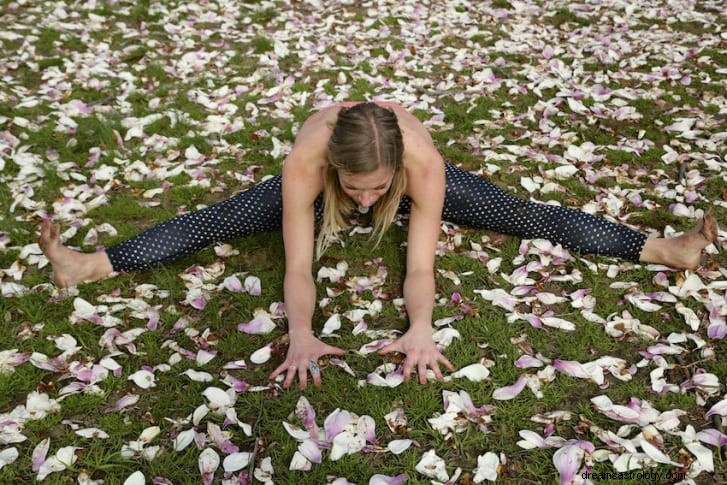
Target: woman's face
(365, 189)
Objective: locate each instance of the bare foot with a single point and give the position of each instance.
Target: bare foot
(685, 251)
(71, 267)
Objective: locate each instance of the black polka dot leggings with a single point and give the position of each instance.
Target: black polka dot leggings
(469, 201)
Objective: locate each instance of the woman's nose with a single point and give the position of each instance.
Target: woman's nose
(366, 200)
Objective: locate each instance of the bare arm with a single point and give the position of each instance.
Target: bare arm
(427, 194)
(301, 185)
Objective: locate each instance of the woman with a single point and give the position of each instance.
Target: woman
(375, 156)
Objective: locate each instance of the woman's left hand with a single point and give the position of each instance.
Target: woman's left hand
(421, 352)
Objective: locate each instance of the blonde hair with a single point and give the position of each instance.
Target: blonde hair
(365, 137)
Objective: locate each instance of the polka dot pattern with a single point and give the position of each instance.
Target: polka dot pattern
(469, 201)
(474, 202)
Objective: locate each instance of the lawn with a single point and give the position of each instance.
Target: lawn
(117, 115)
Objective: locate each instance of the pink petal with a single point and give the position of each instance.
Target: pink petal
(260, 324)
(252, 285)
(719, 408)
(39, 454)
(526, 361)
(336, 422)
(386, 480)
(510, 392)
(567, 461)
(311, 451)
(232, 283)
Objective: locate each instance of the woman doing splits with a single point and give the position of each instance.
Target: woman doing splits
(378, 156)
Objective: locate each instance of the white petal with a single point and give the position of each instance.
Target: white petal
(252, 285)
(208, 462)
(703, 455)
(143, 378)
(296, 432)
(183, 439)
(558, 323)
(236, 461)
(149, 434)
(199, 414)
(217, 397)
(332, 324)
(198, 376)
(474, 372)
(136, 478)
(432, 466)
(300, 462)
(311, 451)
(92, 433)
(487, 466)
(8, 456)
(261, 355)
(655, 453)
(399, 446)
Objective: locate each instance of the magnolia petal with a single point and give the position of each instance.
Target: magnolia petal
(261, 323)
(199, 414)
(64, 458)
(346, 443)
(148, 434)
(336, 422)
(487, 466)
(655, 453)
(8, 456)
(198, 376)
(39, 454)
(510, 392)
(311, 451)
(143, 378)
(399, 446)
(299, 463)
(567, 461)
(332, 324)
(253, 285)
(531, 440)
(702, 454)
(559, 323)
(136, 478)
(366, 427)
(232, 283)
(262, 355)
(218, 398)
(719, 408)
(236, 461)
(527, 361)
(209, 461)
(296, 432)
(183, 439)
(432, 466)
(386, 480)
(473, 372)
(92, 433)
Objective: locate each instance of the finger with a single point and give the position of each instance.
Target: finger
(55, 232)
(315, 372)
(277, 371)
(446, 362)
(408, 367)
(289, 376)
(303, 378)
(392, 347)
(335, 350)
(437, 371)
(422, 371)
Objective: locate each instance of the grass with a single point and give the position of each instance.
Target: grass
(121, 81)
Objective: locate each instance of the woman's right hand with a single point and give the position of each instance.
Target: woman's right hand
(303, 354)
